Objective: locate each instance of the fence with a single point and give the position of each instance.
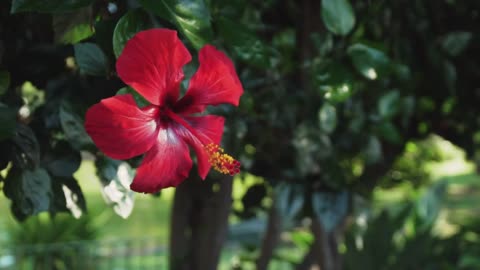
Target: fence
(85, 255)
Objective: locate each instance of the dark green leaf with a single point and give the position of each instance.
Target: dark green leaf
(131, 23)
(26, 150)
(389, 104)
(90, 59)
(244, 43)
(141, 101)
(116, 177)
(454, 43)
(5, 149)
(72, 125)
(330, 208)
(338, 16)
(327, 115)
(450, 75)
(4, 81)
(104, 34)
(70, 28)
(373, 150)
(62, 160)
(48, 6)
(389, 132)
(289, 200)
(29, 190)
(191, 17)
(8, 121)
(370, 62)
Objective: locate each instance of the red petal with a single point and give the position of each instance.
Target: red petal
(120, 129)
(167, 164)
(214, 83)
(210, 129)
(151, 63)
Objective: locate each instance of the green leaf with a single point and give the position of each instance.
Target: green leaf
(454, 43)
(244, 43)
(330, 208)
(26, 150)
(192, 18)
(389, 132)
(48, 6)
(116, 177)
(327, 116)
(141, 101)
(8, 121)
(72, 125)
(370, 62)
(289, 200)
(72, 27)
(90, 59)
(450, 75)
(388, 105)
(373, 150)
(62, 160)
(4, 81)
(428, 207)
(338, 16)
(5, 149)
(131, 23)
(29, 190)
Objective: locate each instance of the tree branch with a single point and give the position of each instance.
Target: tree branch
(270, 240)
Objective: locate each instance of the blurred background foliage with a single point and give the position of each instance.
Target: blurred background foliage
(358, 129)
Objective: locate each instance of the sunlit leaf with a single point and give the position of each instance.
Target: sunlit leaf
(72, 27)
(116, 177)
(338, 16)
(370, 62)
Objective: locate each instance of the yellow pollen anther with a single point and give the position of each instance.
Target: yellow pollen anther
(220, 161)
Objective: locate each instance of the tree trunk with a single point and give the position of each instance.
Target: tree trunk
(199, 223)
(270, 240)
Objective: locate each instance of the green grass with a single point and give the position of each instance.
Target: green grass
(150, 216)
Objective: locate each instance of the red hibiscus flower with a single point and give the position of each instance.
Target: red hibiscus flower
(151, 63)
